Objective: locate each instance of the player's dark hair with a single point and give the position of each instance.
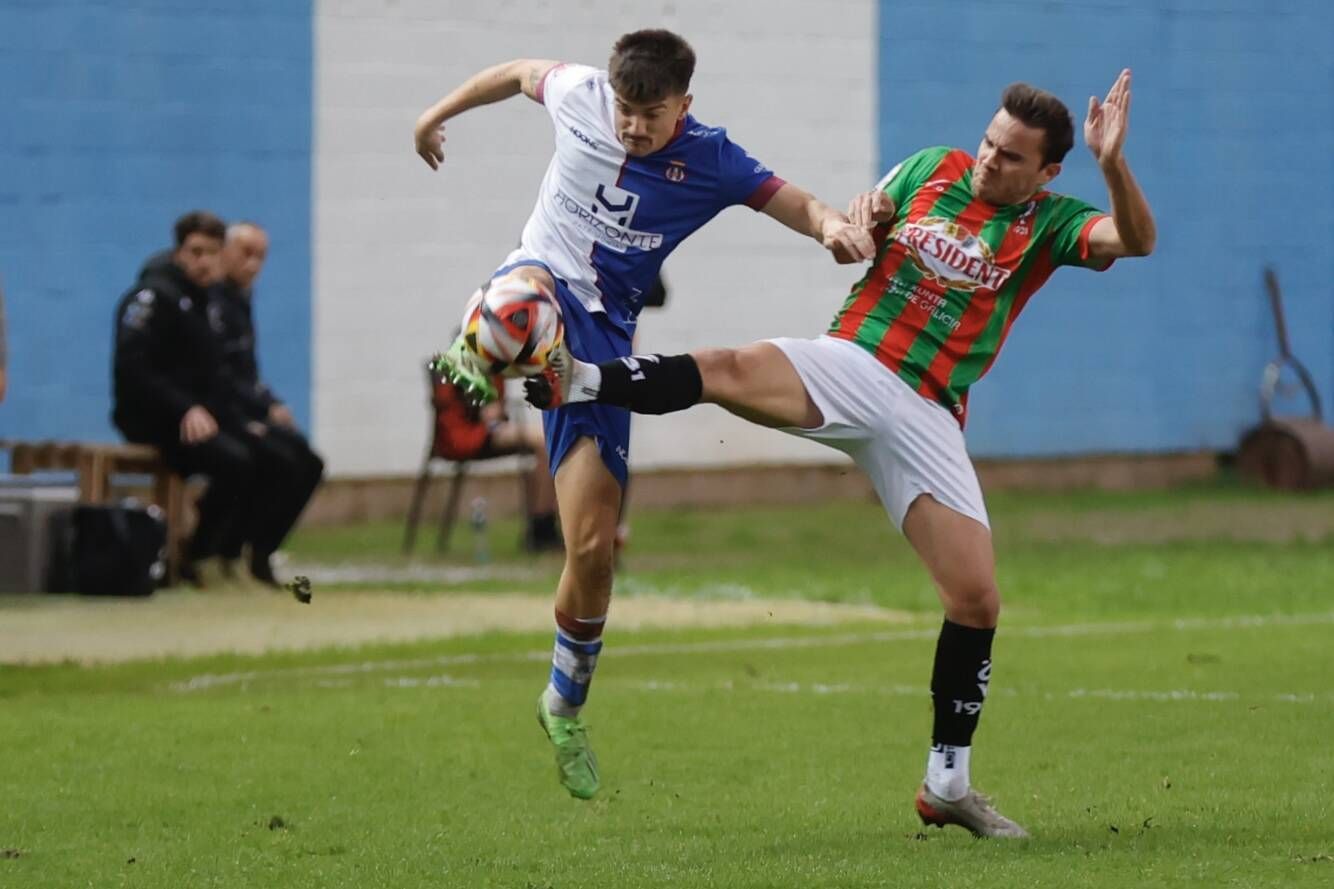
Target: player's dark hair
(199, 222)
(1041, 110)
(650, 65)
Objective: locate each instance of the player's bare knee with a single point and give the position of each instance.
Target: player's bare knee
(533, 273)
(974, 603)
(591, 558)
(721, 372)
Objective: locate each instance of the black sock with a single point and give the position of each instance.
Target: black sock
(959, 682)
(651, 384)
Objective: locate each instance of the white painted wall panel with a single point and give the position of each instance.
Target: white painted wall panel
(397, 248)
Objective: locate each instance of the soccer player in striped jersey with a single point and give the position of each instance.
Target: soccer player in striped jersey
(633, 174)
(963, 242)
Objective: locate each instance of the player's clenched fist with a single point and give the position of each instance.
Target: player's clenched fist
(429, 139)
(848, 242)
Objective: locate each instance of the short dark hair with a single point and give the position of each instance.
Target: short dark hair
(199, 222)
(650, 65)
(1041, 110)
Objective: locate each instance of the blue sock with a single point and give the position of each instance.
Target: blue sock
(573, 659)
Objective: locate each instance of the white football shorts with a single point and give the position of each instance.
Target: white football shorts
(907, 445)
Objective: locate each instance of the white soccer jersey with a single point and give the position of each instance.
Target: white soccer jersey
(605, 221)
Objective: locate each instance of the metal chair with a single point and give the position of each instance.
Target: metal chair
(449, 412)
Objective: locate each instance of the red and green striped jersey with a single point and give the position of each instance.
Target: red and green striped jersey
(953, 272)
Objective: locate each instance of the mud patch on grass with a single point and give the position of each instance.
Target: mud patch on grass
(50, 629)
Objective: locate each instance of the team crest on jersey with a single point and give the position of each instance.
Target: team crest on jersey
(676, 171)
(950, 254)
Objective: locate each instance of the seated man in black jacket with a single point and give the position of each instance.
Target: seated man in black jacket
(270, 429)
(168, 388)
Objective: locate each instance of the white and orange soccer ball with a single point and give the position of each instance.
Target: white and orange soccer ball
(513, 326)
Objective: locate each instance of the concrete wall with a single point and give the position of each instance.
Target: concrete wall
(1231, 136)
(400, 248)
(114, 120)
(117, 117)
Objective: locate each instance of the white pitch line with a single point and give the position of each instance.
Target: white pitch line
(1245, 622)
(1175, 695)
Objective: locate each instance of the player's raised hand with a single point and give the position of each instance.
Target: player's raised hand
(848, 242)
(1107, 122)
(870, 208)
(429, 139)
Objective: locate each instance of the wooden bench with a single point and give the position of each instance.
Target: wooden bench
(94, 464)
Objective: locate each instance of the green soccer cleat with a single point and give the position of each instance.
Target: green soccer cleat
(575, 762)
(461, 366)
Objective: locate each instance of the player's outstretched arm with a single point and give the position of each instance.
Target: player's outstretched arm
(1131, 230)
(803, 212)
(485, 87)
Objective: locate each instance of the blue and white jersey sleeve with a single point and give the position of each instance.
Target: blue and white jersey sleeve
(557, 83)
(604, 221)
(744, 180)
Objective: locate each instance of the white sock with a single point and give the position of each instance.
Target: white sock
(585, 380)
(558, 706)
(572, 664)
(947, 771)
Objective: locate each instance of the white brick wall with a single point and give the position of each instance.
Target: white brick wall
(397, 249)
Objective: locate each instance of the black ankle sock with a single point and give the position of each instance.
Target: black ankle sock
(959, 682)
(262, 569)
(651, 384)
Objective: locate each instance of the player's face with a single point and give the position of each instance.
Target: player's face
(646, 127)
(1009, 167)
(244, 255)
(201, 258)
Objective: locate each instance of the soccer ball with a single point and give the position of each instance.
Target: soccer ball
(513, 326)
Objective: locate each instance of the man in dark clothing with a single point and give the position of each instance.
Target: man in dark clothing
(292, 470)
(168, 390)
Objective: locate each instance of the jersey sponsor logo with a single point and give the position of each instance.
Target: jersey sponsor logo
(929, 300)
(607, 217)
(587, 140)
(612, 199)
(676, 171)
(950, 254)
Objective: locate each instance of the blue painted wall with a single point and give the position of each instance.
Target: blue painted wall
(114, 120)
(1232, 139)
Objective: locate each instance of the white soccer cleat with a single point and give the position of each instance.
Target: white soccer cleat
(551, 388)
(974, 812)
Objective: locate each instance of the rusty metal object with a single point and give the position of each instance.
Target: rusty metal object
(1290, 453)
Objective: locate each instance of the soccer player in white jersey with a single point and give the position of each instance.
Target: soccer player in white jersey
(633, 174)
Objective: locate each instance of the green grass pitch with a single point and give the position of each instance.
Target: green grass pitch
(1161, 715)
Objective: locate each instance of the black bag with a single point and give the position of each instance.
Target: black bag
(110, 550)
